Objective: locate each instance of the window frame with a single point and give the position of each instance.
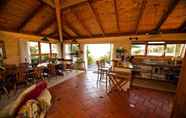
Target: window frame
(39, 54)
(147, 44)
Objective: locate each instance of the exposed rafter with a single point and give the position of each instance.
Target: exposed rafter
(96, 16)
(30, 16)
(71, 27)
(81, 22)
(182, 27)
(46, 25)
(66, 35)
(169, 10)
(141, 11)
(58, 17)
(116, 14)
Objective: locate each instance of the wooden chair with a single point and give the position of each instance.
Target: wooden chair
(52, 70)
(102, 72)
(37, 73)
(98, 70)
(21, 77)
(3, 82)
(119, 80)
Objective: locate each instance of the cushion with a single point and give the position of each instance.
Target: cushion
(30, 109)
(31, 92)
(45, 100)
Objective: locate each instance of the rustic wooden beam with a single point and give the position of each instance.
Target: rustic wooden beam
(182, 27)
(169, 10)
(81, 22)
(58, 17)
(66, 35)
(46, 25)
(72, 28)
(74, 5)
(141, 11)
(131, 34)
(96, 16)
(116, 14)
(29, 17)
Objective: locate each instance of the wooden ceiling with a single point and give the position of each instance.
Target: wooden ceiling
(94, 18)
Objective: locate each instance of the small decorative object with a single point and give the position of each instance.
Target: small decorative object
(45, 38)
(120, 52)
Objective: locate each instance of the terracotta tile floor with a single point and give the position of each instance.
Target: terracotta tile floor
(81, 98)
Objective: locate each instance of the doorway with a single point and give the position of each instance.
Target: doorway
(94, 52)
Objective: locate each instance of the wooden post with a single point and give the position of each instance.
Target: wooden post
(59, 24)
(180, 99)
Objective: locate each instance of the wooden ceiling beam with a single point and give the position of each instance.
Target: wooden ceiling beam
(171, 7)
(117, 15)
(141, 11)
(81, 22)
(72, 28)
(130, 34)
(96, 16)
(74, 5)
(29, 17)
(58, 17)
(46, 25)
(182, 27)
(66, 35)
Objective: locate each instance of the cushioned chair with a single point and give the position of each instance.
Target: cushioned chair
(37, 92)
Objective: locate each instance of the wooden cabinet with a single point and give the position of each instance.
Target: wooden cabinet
(157, 71)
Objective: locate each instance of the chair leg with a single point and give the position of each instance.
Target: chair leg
(5, 90)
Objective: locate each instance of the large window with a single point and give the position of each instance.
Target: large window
(155, 50)
(34, 51)
(158, 49)
(138, 49)
(71, 51)
(42, 52)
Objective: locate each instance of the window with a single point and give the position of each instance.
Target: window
(170, 50)
(161, 48)
(175, 50)
(55, 52)
(155, 50)
(45, 48)
(46, 53)
(138, 49)
(34, 52)
(71, 50)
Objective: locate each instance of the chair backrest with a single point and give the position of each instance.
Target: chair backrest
(102, 63)
(20, 74)
(98, 64)
(51, 69)
(37, 72)
(24, 65)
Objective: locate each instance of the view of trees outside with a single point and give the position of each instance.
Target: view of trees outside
(99, 52)
(155, 50)
(158, 50)
(138, 49)
(71, 50)
(34, 51)
(45, 52)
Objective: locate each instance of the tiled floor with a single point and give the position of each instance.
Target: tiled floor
(81, 98)
(5, 100)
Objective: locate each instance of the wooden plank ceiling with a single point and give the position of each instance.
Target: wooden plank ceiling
(94, 18)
